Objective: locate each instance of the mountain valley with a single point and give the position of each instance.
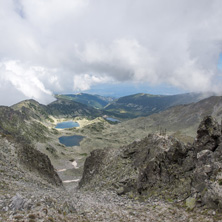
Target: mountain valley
(43, 180)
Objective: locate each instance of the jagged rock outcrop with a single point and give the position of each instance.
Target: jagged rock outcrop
(163, 166)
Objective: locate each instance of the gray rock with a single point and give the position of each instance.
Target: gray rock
(190, 203)
(120, 191)
(68, 207)
(92, 166)
(208, 134)
(17, 202)
(34, 160)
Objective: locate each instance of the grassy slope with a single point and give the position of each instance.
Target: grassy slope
(179, 120)
(70, 108)
(20, 126)
(32, 108)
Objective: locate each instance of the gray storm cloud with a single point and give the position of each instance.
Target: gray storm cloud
(49, 46)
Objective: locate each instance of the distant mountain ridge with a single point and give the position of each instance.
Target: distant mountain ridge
(71, 108)
(132, 106)
(146, 104)
(60, 107)
(95, 101)
(181, 120)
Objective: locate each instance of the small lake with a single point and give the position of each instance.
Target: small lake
(112, 119)
(71, 140)
(66, 125)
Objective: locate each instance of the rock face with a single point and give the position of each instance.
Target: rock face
(36, 161)
(92, 166)
(163, 166)
(208, 135)
(30, 190)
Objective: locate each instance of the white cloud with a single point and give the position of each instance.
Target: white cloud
(85, 81)
(191, 78)
(123, 59)
(25, 81)
(92, 42)
(48, 15)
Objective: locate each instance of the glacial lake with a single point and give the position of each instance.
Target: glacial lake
(112, 119)
(66, 125)
(71, 140)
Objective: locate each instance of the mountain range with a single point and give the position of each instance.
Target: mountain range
(95, 101)
(181, 121)
(60, 107)
(132, 106)
(146, 104)
(169, 156)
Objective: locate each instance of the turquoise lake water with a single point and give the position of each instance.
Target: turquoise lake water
(66, 125)
(71, 140)
(112, 119)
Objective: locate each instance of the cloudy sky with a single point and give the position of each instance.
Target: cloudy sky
(54, 46)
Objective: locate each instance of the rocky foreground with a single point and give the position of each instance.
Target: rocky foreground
(154, 179)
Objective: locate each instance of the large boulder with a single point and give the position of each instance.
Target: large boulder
(208, 134)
